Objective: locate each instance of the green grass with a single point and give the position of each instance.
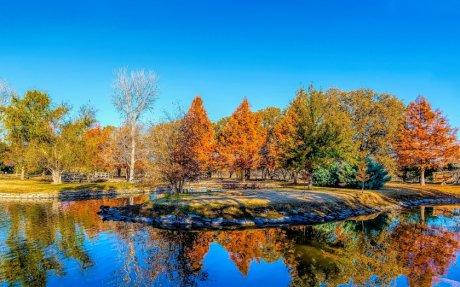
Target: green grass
(13, 185)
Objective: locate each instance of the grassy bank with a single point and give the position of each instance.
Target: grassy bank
(289, 201)
(14, 185)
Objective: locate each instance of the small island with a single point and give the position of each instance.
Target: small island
(282, 207)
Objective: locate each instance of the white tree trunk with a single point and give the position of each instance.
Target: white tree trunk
(23, 173)
(56, 174)
(133, 153)
(422, 176)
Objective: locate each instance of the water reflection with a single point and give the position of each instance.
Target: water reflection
(66, 243)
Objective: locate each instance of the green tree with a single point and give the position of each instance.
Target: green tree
(27, 122)
(314, 132)
(375, 120)
(42, 136)
(63, 147)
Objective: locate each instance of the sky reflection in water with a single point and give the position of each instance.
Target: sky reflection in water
(67, 244)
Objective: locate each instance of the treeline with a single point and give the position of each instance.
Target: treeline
(333, 138)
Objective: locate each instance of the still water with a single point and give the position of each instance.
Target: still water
(66, 244)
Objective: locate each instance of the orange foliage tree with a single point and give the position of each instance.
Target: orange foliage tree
(426, 139)
(241, 140)
(199, 132)
(97, 141)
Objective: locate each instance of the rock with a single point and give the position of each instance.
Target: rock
(246, 222)
(217, 221)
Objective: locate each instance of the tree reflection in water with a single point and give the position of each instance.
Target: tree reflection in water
(41, 239)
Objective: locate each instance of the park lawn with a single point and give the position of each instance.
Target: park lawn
(12, 185)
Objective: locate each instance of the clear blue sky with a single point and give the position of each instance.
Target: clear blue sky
(226, 50)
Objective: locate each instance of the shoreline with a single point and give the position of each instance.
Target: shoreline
(184, 214)
(69, 194)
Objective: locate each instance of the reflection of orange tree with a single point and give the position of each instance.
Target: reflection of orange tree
(85, 212)
(425, 252)
(247, 246)
(172, 256)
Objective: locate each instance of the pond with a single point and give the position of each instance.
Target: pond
(60, 243)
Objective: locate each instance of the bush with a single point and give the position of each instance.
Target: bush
(378, 175)
(344, 174)
(322, 177)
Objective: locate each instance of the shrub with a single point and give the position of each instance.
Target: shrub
(378, 175)
(322, 177)
(344, 174)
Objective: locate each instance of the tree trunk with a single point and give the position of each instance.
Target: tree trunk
(294, 177)
(133, 152)
(422, 176)
(23, 172)
(118, 172)
(310, 179)
(56, 174)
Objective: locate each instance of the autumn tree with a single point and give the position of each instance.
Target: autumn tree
(375, 119)
(426, 139)
(362, 174)
(97, 147)
(134, 94)
(240, 142)
(314, 132)
(199, 132)
(170, 157)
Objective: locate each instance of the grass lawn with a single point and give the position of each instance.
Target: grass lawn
(10, 184)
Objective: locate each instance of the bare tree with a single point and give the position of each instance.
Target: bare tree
(134, 94)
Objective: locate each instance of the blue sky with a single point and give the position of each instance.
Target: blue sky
(227, 50)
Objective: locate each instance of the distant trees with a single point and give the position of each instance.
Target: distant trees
(134, 94)
(332, 138)
(426, 139)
